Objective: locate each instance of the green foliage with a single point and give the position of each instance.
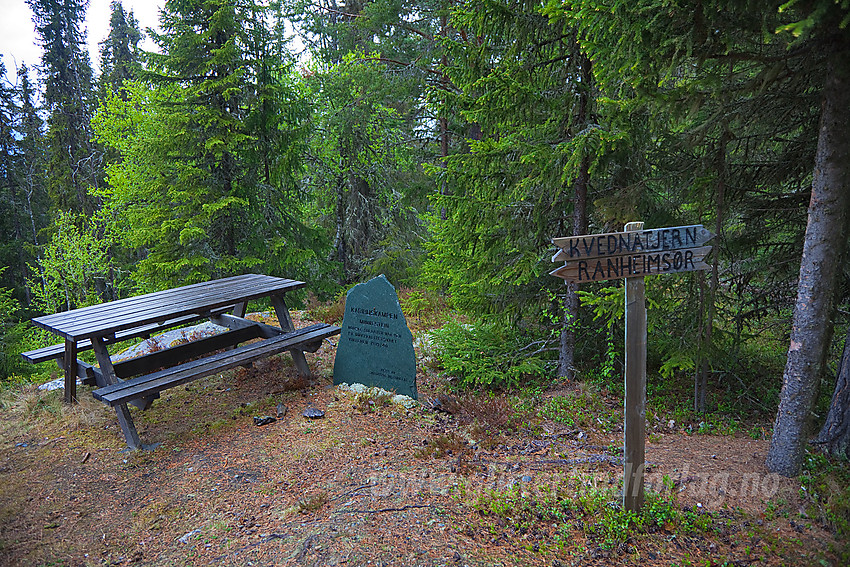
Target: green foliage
(11, 331)
(606, 303)
(425, 305)
(831, 14)
(826, 491)
(74, 269)
(400, 255)
(370, 66)
(518, 89)
(210, 145)
(673, 350)
(361, 168)
(583, 408)
(223, 159)
(580, 502)
(486, 355)
(732, 107)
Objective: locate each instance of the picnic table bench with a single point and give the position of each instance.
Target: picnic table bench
(139, 380)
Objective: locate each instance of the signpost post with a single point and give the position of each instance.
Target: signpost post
(633, 254)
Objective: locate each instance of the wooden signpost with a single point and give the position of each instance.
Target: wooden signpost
(633, 254)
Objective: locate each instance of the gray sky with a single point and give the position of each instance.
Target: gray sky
(18, 41)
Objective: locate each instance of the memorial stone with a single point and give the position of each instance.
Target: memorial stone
(376, 347)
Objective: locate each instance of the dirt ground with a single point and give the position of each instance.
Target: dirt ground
(365, 485)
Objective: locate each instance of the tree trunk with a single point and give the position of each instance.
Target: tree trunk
(707, 327)
(825, 237)
(567, 346)
(834, 437)
(444, 123)
(339, 240)
(355, 225)
(566, 357)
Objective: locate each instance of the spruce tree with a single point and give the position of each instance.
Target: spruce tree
(74, 163)
(202, 74)
(32, 162)
(23, 206)
(119, 52)
(10, 232)
(374, 61)
(534, 132)
(209, 140)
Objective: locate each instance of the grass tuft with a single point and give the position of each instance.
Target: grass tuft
(372, 399)
(313, 503)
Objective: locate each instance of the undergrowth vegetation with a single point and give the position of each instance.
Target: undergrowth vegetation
(372, 399)
(578, 512)
(825, 486)
(486, 355)
(585, 408)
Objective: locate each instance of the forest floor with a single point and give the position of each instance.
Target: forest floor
(491, 483)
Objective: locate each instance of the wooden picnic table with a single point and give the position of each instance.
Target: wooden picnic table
(223, 302)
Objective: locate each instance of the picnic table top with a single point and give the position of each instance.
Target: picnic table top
(198, 299)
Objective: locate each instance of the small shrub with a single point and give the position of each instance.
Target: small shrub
(152, 345)
(493, 411)
(485, 355)
(11, 334)
(580, 502)
(426, 306)
(400, 255)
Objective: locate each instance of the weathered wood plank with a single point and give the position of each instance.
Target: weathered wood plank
(58, 351)
(123, 314)
(87, 373)
(110, 320)
(285, 320)
(70, 367)
(125, 420)
(610, 244)
(181, 353)
(186, 372)
(635, 395)
(634, 265)
(116, 321)
(233, 322)
(140, 300)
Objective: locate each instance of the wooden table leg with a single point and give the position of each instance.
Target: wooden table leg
(240, 309)
(283, 317)
(70, 367)
(125, 420)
